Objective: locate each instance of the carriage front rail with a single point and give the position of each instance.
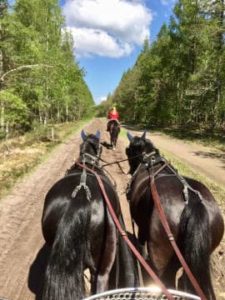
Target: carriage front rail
(141, 293)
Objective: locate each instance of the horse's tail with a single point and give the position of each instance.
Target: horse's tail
(128, 262)
(125, 269)
(194, 240)
(63, 277)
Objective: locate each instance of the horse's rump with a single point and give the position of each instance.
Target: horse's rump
(60, 195)
(83, 235)
(114, 130)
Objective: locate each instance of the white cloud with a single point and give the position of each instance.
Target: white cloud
(100, 99)
(107, 27)
(94, 41)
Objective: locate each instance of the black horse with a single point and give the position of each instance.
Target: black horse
(191, 211)
(114, 130)
(81, 233)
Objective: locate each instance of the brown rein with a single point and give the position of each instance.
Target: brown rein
(156, 199)
(124, 234)
(118, 163)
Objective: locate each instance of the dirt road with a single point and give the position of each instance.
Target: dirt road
(207, 160)
(22, 251)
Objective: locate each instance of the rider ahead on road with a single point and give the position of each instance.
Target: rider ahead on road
(112, 115)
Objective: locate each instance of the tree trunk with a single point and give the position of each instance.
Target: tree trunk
(2, 117)
(67, 112)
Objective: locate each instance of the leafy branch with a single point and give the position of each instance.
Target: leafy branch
(20, 68)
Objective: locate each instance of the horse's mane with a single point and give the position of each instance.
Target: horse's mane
(145, 144)
(149, 147)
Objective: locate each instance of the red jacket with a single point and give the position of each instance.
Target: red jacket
(113, 115)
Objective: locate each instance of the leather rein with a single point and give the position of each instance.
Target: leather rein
(123, 233)
(165, 224)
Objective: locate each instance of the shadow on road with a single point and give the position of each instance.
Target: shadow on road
(133, 127)
(106, 145)
(213, 155)
(37, 271)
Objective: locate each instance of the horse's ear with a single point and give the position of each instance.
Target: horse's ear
(129, 135)
(144, 135)
(97, 134)
(83, 135)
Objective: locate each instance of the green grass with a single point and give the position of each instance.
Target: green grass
(123, 133)
(216, 189)
(19, 156)
(215, 138)
(207, 138)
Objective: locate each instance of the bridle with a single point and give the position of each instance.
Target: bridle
(148, 269)
(92, 159)
(161, 212)
(123, 233)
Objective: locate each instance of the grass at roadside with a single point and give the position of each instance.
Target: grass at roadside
(20, 155)
(216, 139)
(216, 189)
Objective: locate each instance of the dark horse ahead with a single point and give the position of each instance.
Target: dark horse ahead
(114, 130)
(191, 211)
(82, 235)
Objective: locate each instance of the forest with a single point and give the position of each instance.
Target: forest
(41, 81)
(179, 79)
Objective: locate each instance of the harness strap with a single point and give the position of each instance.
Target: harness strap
(88, 158)
(117, 161)
(83, 185)
(167, 229)
(124, 234)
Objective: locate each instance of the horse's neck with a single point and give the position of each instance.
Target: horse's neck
(148, 169)
(74, 169)
(85, 159)
(79, 166)
(141, 179)
(139, 183)
(140, 172)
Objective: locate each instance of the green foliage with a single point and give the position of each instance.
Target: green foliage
(39, 66)
(15, 110)
(179, 79)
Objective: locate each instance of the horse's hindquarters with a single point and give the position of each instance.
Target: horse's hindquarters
(114, 132)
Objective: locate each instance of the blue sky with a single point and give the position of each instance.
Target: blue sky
(109, 34)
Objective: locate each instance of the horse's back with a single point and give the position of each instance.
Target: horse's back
(173, 199)
(55, 204)
(170, 191)
(60, 196)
